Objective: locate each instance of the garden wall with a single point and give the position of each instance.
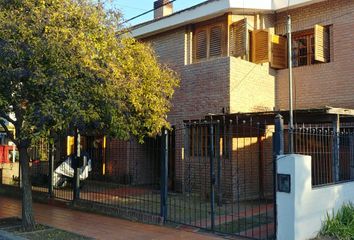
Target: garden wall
(302, 211)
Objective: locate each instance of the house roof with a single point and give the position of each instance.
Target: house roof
(213, 8)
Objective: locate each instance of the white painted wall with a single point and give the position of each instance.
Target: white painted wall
(300, 213)
(251, 4)
(283, 4)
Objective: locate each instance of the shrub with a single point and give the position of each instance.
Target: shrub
(341, 224)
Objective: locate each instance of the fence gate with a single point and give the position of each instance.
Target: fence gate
(223, 180)
(217, 175)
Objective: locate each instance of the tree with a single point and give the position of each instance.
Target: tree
(66, 64)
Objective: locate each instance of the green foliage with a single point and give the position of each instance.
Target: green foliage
(340, 225)
(66, 64)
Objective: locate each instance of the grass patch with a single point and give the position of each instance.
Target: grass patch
(9, 222)
(53, 234)
(41, 232)
(341, 225)
(244, 224)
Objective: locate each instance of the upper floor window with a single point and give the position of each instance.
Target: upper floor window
(303, 49)
(209, 41)
(311, 47)
(308, 47)
(226, 37)
(240, 39)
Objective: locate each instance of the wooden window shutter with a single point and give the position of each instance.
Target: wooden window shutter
(321, 44)
(239, 38)
(215, 41)
(260, 46)
(201, 45)
(278, 46)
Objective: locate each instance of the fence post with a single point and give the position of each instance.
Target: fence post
(164, 175)
(351, 152)
(218, 159)
(278, 149)
(278, 139)
(186, 153)
(212, 176)
(75, 164)
(51, 169)
(335, 163)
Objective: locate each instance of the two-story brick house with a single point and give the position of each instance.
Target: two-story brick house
(232, 56)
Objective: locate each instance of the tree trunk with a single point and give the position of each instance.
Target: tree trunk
(28, 222)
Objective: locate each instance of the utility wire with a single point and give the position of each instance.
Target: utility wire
(144, 13)
(126, 6)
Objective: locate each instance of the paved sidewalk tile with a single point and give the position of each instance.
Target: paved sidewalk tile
(97, 226)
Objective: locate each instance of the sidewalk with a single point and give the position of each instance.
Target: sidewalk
(97, 226)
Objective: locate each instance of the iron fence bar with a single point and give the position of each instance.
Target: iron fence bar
(212, 178)
(164, 175)
(251, 161)
(218, 159)
(237, 158)
(261, 161)
(244, 167)
(51, 170)
(206, 157)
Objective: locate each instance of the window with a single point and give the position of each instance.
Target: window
(201, 39)
(267, 47)
(215, 41)
(239, 39)
(198, 141)
(209, 42)
(311, 47)
(308, 47)
(303, 49)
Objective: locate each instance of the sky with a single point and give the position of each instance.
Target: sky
(132, 8)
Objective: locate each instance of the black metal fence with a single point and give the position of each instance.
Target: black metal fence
(224, 178)
(214, 175)
(332, 152)
(127, 177)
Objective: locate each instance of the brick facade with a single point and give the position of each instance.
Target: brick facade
(214, 86)
(325, 84)
(251, 86)
(232, 85)
(130, 162)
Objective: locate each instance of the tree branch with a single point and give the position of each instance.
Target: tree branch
(8, 132)
(6, 117)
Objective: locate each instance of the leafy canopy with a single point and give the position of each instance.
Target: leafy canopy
(67, 63)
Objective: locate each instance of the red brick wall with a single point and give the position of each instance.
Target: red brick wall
(132, 162)
(327, 84)
(214, 86)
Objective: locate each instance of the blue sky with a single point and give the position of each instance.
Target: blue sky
(131, 8)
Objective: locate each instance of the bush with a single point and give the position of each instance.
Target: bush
(340, 225)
